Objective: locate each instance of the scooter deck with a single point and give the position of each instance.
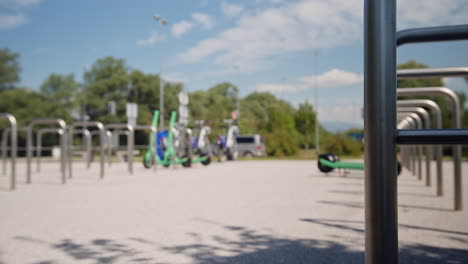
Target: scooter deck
(342, 165)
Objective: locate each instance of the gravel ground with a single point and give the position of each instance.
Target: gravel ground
(233, 212)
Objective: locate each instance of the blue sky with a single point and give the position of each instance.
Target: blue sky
(285, 47)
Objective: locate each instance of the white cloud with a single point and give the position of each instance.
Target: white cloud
(181, 28)
(176, 77)
(333, 78)
(276, 88)
(204, 20)
(231, 10)
(11, 21)
(330, 79)
(151, 40)
(307, 25)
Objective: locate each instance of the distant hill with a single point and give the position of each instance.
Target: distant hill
(336, 126)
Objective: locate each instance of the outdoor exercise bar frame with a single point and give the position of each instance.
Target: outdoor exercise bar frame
(380, 42)
(130, 142)
(437, 113)
(14, 140)
(427, 125)
(88, 124)
(63, 144)
(39, 135)
(456, 124)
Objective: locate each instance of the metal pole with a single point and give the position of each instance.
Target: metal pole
(380, 131)
(13, 143)
(438, 125)
(109, 147)
(4, 150)
(317, 136)
(456, 123)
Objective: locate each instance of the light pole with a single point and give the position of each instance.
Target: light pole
(317, 140)
(237, 67)
(162, 22)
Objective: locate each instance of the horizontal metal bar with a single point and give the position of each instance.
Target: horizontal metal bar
(405, 74)
(432, 34)
(432, 137)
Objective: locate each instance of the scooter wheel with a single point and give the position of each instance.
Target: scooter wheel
(207, 161)
(187, 163)
(328, 156)
(148, 163)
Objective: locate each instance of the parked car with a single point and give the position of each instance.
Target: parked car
(251, 145)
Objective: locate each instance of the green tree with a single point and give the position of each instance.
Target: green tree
(305, 124)
(107, 80)
(9, 69)
(61, 89)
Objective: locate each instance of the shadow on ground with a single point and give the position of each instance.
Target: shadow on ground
(240, 245)
(410, 253)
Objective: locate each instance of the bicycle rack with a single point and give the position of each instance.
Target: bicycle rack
(416, 150)
(12, 120)
(63, 144)
(427, 125)
(88, 143)
(380, 43)
(456, 123)
(5, 134)
(406, 151)
(130, 142)
(102, 139)
(39, 135)
(438, 125)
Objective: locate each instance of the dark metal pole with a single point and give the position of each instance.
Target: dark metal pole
(380, 131)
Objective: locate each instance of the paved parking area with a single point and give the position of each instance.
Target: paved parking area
(233, 212)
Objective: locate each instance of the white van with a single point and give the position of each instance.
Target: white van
(251, 145)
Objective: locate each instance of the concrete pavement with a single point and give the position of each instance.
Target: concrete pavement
(232, 212)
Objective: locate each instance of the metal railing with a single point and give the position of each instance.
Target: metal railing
(380, 42)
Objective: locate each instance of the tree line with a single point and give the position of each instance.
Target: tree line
(287, 128)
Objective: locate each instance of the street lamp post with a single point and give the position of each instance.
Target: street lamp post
(237, 68)
(317, 140)
(162, 22)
